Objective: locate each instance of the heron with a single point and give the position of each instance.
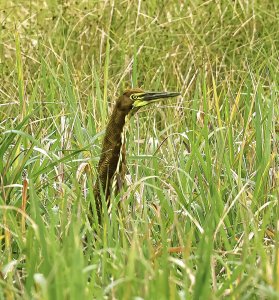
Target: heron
(111, 168)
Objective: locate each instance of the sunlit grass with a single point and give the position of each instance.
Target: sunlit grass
(200, 213)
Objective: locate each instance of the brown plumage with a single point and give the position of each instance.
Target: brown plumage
(113, 155)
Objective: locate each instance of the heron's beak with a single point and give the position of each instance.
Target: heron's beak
(158, 95)
(149, 97)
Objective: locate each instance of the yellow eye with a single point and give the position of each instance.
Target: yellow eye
(134, 97)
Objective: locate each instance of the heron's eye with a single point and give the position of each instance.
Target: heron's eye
(134, 97)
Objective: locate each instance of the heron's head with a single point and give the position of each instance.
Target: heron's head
(133, 99)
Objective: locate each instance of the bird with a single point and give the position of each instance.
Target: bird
(111, 168)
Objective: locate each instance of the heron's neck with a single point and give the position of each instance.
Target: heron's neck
(111, 150)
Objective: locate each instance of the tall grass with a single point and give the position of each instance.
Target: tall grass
(200, 215)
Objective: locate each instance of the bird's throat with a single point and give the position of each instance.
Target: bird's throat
(112, 151)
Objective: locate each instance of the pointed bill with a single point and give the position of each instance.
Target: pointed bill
(143, 99)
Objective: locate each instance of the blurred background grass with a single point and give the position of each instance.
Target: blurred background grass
(202, 210)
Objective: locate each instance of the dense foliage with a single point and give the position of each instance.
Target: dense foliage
(200, 217)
